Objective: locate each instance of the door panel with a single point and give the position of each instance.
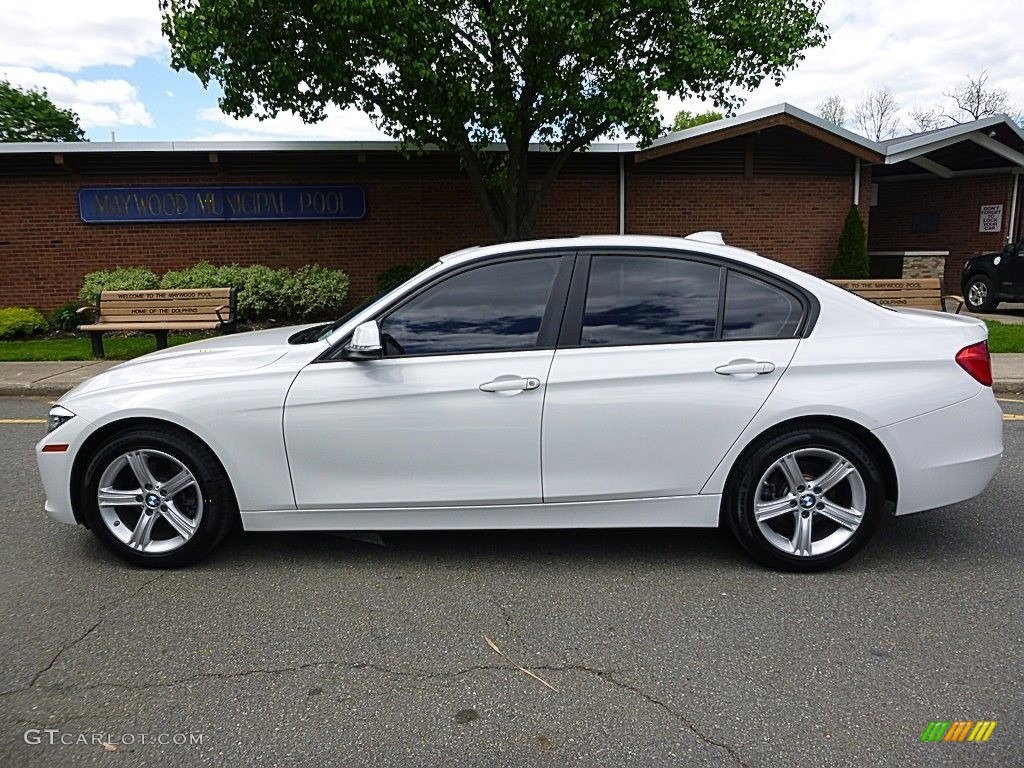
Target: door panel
(417, 431)
(642, 421)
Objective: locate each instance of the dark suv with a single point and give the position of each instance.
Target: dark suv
(994, 277)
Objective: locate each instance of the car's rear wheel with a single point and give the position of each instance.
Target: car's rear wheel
(157, 498)
(806, 499)
(980, 294)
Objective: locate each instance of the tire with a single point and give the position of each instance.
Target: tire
(168, 524)
(980, 294)
(834, 522)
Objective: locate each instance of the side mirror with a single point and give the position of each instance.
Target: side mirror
(365, 343)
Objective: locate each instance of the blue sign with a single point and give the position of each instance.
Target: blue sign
(220, 203)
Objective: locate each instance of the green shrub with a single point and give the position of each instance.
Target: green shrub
(200, 275)
(852, 261)
(317, 293)
(263, 292)
(21, 321)
(120, 279)
(66, 317)
(392, 277)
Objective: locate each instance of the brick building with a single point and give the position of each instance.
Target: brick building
(778, 181)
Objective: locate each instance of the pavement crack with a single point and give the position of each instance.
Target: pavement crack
(68, 646)
(354, 666)
(687, 722)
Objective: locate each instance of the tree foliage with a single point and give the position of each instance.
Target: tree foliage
(833, 109)
(465, 74)
(686, 119)
(852, 261)
(27, 115)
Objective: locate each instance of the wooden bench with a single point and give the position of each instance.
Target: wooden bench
(920, 293)
(157, 312)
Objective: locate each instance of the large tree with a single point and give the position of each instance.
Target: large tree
(833, 109)
(467, 74)
(28, 115)
(877, 115)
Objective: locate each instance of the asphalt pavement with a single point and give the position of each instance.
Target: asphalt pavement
(653, 648)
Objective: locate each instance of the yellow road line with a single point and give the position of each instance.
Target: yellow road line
(22, 421)
(1008, 400)
(1013, 417)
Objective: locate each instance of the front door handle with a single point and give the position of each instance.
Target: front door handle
(741, 367)
(510, 384)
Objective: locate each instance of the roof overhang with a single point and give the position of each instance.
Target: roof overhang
(758, 120)
(954, 151)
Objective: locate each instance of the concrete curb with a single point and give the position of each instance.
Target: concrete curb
(31, 390)
(1008, 387)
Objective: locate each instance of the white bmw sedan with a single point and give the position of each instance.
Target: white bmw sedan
(589, 382)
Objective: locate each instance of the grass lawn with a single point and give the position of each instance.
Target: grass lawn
(116, 347)
(1003, 337)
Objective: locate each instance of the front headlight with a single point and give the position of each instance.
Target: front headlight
(58, 415)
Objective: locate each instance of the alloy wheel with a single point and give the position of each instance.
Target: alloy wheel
(810, 502)
(150, 501)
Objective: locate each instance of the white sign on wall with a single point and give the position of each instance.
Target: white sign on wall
(991, 218)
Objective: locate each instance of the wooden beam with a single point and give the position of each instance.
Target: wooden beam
(931, 165)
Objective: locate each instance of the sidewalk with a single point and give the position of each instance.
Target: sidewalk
(54, 379)
(48, 379)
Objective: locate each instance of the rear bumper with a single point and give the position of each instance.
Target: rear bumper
(945, 456)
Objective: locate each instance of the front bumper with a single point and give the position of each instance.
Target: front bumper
(55, 467)
(945, 456)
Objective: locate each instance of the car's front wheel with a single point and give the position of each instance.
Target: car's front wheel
(157, 498)
(806, 499)
(980, 294)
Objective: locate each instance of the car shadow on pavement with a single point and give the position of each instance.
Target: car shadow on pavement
(557, 547)
(945, 535)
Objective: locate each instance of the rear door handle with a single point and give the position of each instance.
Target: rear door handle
(740, 367)
(510, 384)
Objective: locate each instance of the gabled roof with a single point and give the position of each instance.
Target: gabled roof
(982, 132)
(759, 119)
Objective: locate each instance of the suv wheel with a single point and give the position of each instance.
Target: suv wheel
(980, 294)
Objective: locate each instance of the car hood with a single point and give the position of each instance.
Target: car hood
(222, 355)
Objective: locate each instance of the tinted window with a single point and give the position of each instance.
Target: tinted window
(756, 310)
(492, 308)
(649, 300)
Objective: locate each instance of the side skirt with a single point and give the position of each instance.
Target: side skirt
(663, 512)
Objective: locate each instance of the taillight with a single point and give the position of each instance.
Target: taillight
(977, 362)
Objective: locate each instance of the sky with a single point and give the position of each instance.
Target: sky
(109, 62)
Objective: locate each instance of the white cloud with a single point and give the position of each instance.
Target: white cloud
(99, 103)
(919, 48)
(67, 35)
(340, 125)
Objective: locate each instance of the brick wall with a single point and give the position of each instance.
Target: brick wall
(418, 208)
(957, 202)
(45, 248)
(793, 219)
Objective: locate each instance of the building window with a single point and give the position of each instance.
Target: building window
(924, 223)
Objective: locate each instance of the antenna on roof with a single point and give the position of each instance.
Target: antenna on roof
(707, 236)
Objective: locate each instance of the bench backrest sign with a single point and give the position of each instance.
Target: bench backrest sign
(112, 205)
(178, 294)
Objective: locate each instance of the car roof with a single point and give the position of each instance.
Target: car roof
(705, 242)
